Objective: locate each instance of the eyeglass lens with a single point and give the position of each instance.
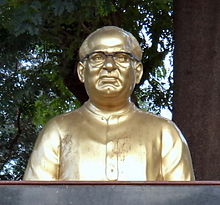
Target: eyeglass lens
(100, 57)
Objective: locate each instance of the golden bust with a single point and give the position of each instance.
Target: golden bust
(109, 138)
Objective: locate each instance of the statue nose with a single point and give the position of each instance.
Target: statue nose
(109, 64)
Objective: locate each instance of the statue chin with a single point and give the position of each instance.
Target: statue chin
(108, 91)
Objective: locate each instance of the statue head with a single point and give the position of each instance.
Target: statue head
(110, 63)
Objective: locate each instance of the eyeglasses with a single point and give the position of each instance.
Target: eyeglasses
(99, 58)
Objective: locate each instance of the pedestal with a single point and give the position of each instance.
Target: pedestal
(109, 193)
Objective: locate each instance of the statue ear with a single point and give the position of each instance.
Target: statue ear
(80, 71)
(138, 72)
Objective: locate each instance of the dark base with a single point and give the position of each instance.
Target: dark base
(109, 193)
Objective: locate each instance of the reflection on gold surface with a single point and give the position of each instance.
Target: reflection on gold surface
(109, 138)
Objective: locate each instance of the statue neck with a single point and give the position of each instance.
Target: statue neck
(108, 108)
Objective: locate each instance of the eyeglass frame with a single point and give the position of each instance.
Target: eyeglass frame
(106, 54)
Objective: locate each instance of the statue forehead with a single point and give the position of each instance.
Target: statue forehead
(110, 39)
(107, 39)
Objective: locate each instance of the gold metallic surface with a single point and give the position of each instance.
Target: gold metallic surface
(109, 138)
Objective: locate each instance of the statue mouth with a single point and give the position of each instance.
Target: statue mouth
(109, 80)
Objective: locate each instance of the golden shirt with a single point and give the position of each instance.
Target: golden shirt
(130, 145)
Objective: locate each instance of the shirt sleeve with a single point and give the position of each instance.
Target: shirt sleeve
(44, 161)
(176, 159)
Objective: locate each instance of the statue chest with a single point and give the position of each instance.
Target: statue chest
(104, 151)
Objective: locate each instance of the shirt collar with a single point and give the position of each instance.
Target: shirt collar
(92, 109)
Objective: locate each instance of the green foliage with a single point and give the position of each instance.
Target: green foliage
(29, 97)
(39, 42)
(52, 103)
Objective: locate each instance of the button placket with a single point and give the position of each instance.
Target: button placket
(111, 161)
(111, 166)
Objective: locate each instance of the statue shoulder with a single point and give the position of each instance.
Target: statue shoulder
(153, 118)
(64, 118)
(165, 126)
(62, 122)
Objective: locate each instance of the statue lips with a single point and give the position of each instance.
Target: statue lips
(109, 81)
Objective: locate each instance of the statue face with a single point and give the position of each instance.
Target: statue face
(109, 69)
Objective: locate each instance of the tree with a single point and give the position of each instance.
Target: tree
(197, 88)
(38, 58)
